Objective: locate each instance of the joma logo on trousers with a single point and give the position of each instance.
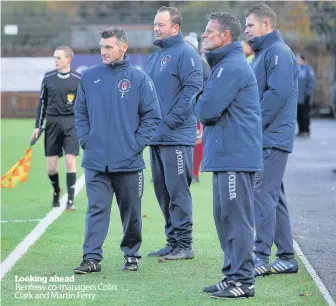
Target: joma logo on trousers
(180, 166)
(232, 185)
(140, 183)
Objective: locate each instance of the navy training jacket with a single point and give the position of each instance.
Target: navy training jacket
(116, 114)
(177, 72)
(276, 70)
(230, 110)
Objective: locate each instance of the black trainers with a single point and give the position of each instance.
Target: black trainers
(261, 268)
(180, 253)
(88, 266)
(56, 199)
(303, 134)
(162, 252)
(235, 291)
(281, 266)
(217, 287)
(131, 264)
(70, 205)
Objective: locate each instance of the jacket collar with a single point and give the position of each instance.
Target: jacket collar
(262, 42)
(167, 42)
(121, 64)
(215, 56)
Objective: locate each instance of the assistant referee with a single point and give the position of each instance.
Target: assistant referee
(57, 98)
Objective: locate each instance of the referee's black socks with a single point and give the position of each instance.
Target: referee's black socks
(54, 181)
(71, 181)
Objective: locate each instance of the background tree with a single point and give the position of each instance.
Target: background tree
(323, 22)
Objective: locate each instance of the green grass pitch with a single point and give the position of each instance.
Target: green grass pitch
(59, 250)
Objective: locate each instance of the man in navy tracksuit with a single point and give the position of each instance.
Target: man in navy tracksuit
(176, 70)
(116, 114)
(230, 111)
(276, 71)
(306, 89)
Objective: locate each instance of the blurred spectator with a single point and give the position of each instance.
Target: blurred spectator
(248, 51)
(194, 40)
(198, 153)
(334, 102)
(334, 96)
(306, 89)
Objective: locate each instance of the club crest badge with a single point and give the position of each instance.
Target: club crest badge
(164, 61)
(70, 98)
(124, 86)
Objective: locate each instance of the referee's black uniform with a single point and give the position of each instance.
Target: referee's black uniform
(57, 98)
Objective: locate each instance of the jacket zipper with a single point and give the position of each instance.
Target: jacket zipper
(109, 123)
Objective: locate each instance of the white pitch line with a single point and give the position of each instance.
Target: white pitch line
(314, 275)
(20, 221)
(37, 232)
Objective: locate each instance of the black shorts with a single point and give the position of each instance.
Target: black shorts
(60, 134)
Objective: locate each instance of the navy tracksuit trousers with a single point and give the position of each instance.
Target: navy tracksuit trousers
(172, 176)
(100, 187)
(234, 219)
(271, 213)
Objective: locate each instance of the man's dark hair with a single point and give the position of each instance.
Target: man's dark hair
(118, 33)
(175, 15)
(68, 52)
(261, 10)
(227, 22)
(302, 56)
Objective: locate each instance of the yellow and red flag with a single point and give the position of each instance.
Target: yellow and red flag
(18, 173)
